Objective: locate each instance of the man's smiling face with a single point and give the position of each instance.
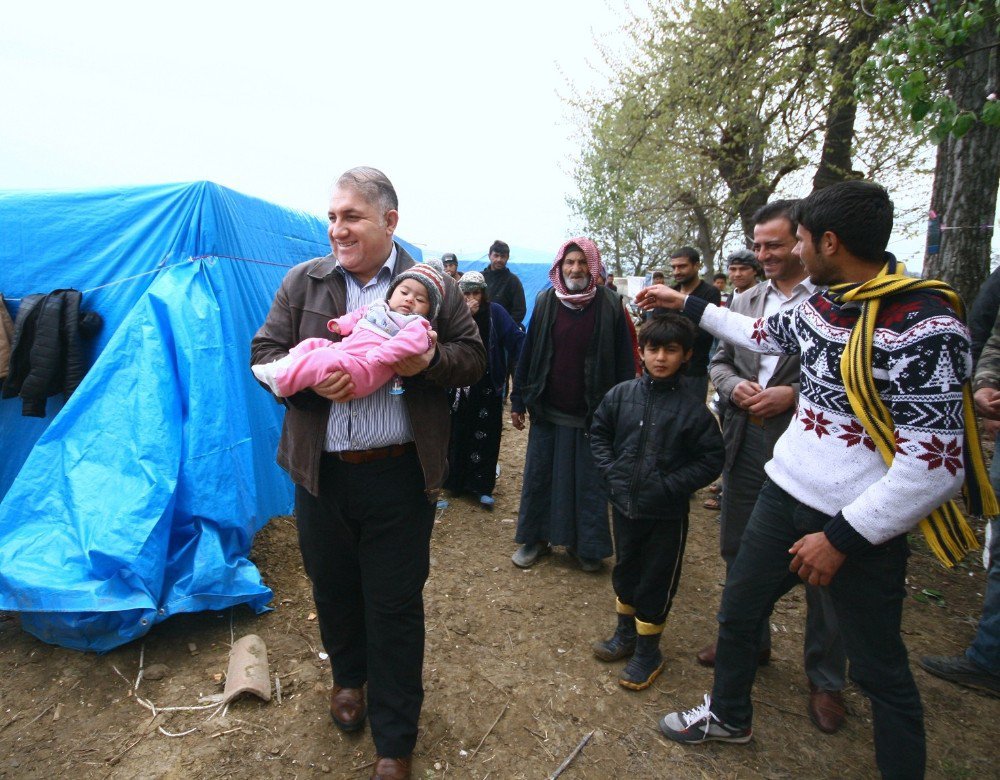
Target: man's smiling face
(360, 236)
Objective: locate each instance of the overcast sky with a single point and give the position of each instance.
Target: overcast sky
(460, 103)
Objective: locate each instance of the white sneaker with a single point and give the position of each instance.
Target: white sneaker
(268, 372)
(700, 725)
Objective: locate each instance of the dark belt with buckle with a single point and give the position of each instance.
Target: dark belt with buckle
(753, 419)
(367, 456)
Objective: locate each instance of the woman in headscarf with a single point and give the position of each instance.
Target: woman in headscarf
(477, 417)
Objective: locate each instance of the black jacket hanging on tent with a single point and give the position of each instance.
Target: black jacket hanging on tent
(6, 337)
(46, 356)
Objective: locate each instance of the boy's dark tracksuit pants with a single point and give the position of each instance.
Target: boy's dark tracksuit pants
(648, 554)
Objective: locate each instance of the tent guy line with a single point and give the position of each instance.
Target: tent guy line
(172, 265)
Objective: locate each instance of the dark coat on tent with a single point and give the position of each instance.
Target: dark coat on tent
(46, 354)
(6, 337)
(319, 294)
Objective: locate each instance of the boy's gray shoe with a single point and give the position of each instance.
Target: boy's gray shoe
(619, 645)
(700, 725)
(528, 554)
(959, 669)
(645, 664)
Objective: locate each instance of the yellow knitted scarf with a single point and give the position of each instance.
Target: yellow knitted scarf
(947, 532)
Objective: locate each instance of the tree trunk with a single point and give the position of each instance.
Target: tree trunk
(836, 159)
(705, 244)
(967, 175)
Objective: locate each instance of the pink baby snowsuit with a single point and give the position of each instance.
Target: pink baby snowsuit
(376, 338)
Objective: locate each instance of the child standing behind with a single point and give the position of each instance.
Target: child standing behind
(654, 445)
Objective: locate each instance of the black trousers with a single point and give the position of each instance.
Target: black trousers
(868, 593)
(366, 548)
(648, 556)
(823, 650)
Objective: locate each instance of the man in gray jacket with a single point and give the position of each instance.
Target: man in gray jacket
(367, 471)
(758, 394)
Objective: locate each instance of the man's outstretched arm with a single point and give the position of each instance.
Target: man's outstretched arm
(774, 335)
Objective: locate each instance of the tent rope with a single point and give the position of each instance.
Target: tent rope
(172, 265)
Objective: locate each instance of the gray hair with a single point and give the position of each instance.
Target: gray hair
(373, 185)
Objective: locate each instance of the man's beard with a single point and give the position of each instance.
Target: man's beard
(577, 285)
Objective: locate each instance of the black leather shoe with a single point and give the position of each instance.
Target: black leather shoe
(348, 708)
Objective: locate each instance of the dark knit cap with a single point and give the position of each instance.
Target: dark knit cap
(743, 257)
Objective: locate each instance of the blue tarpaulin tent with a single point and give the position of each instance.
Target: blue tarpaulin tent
(138, 498)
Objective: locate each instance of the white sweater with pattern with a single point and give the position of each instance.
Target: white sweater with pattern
(921, 358)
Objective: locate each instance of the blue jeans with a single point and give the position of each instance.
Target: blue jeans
(867, 594)
(985, 648)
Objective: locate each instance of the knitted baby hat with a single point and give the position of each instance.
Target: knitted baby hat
(472, 281)
(429, 278)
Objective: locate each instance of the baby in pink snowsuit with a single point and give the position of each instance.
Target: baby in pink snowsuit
(377, 336)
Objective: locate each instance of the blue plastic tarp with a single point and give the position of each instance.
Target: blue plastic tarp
(138, 498)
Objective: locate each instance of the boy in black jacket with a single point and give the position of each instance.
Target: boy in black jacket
(654, 445)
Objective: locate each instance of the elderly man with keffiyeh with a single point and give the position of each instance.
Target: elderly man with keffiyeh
(577, 348)
(882, 439)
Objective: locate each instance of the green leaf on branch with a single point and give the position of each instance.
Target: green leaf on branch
(939, 132)
(963, 124)
(919, 110)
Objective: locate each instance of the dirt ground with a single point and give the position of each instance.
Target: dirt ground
(512, 687)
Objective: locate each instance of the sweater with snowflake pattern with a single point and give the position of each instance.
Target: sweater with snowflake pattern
(825, 459)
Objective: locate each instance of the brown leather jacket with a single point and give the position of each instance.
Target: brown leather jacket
(311, 294)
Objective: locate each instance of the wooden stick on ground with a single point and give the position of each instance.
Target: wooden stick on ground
(781, 709)
(489, 731)
(117, 758)
(571, 756)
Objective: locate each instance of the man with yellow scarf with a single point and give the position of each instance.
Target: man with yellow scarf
(878, 445)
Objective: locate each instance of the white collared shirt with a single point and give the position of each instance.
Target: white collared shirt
(774, 301)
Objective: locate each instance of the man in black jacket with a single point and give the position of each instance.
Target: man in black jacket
(504, 286)
(686, 265)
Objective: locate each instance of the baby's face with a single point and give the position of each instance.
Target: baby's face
(410, 297)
